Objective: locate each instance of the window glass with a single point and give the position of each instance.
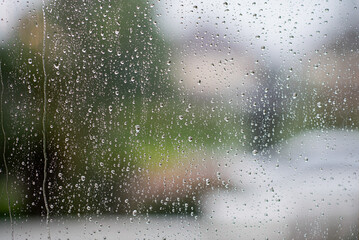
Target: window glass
(179, 119)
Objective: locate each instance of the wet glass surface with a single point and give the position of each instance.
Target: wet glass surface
(179, 119)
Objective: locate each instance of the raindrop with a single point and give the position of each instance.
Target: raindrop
(207, 182)
(57, 65)
(137, 128)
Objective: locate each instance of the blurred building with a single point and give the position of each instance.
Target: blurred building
(208, 66)
(334, 70)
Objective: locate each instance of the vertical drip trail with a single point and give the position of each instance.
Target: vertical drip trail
(44, 123)
(4, 154)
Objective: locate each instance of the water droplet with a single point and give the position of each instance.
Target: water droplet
(180, 117)
(83, 178)
(57, 65)
(134, 213)
(29, 61)
(254, 152)
(137, 127)
(190, 139)
(208, 181)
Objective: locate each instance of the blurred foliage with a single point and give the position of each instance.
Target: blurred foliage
(111, 109)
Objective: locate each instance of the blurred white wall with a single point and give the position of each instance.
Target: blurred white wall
(310, 187)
